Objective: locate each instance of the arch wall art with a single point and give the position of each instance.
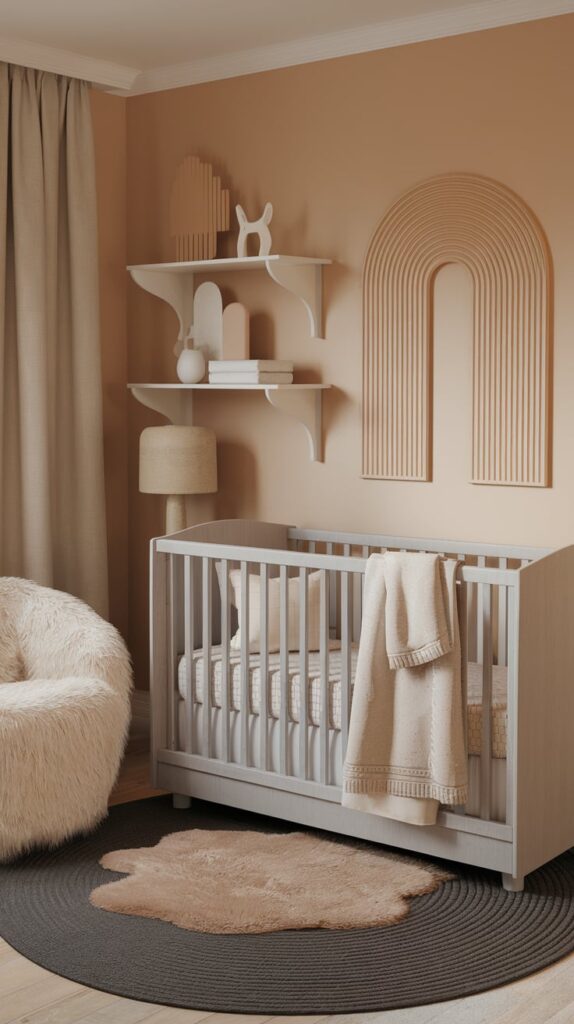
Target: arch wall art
(467, 219)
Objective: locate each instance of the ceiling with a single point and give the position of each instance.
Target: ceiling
(150, 33)
(145, 44)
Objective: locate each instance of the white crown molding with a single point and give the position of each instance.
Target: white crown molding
(482, 15)
(102, 73)
(117, 78)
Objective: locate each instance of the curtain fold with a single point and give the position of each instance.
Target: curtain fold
(52, 500)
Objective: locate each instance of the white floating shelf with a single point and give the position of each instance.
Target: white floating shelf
(174, 282)
(233, 387)
(302, 401)
(233, 263)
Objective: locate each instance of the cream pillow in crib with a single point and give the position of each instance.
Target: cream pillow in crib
(273, 613)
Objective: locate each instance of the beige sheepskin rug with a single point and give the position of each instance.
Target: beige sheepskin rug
(243, 881)
(65, 681)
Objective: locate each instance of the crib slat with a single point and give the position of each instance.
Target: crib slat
(461, 592)
(486, 745)
(462, 611)
(346, 652)
(471, 621)
(225, 681)
(173, 692)
(461, 596)
(511, 706)
(159, 654)
(303, 676)
(283, 667)
(263, 667)
(244, 668)
(329, 549)
(189, 629)
(347, 549)
(481, 562)
(357, 585)
(366, 554)
(324, 669)
(207, 634)
(502, 618)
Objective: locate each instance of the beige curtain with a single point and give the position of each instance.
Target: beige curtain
(52, 512)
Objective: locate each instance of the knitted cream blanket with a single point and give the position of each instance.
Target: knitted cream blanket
(406, 751)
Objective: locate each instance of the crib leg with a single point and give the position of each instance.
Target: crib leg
(513, 883)
(181, 802)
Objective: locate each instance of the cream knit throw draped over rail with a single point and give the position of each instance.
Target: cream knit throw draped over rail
(52, 511)
(406, 751)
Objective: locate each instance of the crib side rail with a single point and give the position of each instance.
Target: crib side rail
(259, 555)
(310, 560)
(457, 548)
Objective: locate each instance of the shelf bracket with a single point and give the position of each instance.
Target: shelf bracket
(304, 280)
(174, 404)
(306, 407)
(175, 289)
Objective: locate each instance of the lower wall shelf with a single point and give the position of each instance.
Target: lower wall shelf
(301, 401)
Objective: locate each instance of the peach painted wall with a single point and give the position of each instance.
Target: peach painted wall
(333, 144)
(109, 122)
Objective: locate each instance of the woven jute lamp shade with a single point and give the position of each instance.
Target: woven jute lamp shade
(176, 461)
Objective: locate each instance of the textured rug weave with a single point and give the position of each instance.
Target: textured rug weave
(242, 882)
(467, 936)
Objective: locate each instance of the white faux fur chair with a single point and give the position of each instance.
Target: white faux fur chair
(65, 681)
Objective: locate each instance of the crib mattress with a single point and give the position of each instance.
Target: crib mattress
(474, 687)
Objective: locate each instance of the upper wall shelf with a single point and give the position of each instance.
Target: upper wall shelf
(174, 282)
(232, 263)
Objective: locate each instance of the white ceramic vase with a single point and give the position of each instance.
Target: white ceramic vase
(190, 366)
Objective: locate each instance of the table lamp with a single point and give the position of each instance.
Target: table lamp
(176, 461)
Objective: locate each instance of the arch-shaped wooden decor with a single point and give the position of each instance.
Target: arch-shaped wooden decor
(458, 218)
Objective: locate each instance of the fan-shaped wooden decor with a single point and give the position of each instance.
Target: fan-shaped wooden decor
(198, 209)
(458, 218)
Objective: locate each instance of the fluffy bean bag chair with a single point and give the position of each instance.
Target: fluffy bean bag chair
(65, 681)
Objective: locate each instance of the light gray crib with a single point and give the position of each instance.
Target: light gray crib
(267, 730)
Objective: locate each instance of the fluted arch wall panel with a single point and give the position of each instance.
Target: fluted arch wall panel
(458, 218)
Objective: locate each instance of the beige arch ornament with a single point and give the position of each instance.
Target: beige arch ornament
(467, 219)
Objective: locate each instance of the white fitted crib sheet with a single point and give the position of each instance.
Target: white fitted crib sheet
(474, 686)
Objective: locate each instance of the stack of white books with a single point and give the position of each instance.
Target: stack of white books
(250, 371)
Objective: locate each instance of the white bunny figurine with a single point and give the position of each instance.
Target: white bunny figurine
(254, 227)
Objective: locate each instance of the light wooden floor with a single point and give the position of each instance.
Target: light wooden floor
(31, 995)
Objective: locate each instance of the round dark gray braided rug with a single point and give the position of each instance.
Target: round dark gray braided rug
(466, 937)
